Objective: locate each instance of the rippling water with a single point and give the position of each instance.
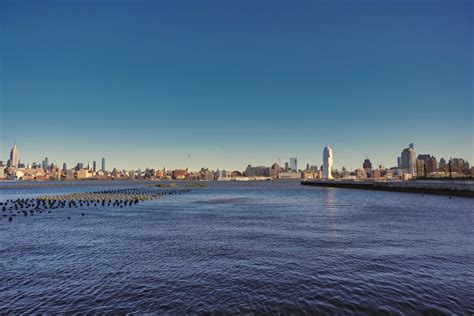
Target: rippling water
(256, 247)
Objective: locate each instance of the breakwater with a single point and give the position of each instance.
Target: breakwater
(451, 188)
(105, 198)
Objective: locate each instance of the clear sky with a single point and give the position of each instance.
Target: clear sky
(223, 84)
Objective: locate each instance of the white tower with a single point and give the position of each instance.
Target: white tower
(327, 159)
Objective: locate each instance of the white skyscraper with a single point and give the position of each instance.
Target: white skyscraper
(327, 159)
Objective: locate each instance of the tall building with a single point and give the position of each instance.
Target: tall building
(327, 161)
(94, 166)
(103, 164)
(367, 165)
(46, 163)
(64, 167)
(409, 159)
(430, 163)
(293, 164)
(14, 157)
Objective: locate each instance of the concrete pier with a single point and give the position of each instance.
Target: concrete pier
(452, 188)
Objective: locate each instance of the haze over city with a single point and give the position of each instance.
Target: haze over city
(226, 84)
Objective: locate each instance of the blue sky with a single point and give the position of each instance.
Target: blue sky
(224, 84)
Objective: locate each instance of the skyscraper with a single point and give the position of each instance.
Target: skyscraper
(293, 164)
(103, 164)
(94, 166)
(14, 157)
(367, 165)
(409, 159)
(327, 160)
(64, 167)
(46, 163)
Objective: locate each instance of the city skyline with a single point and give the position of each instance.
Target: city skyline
(284, 81)
(406, 160)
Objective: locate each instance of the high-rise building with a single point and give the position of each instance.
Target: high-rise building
(294, 164)
(286, 167)
(46, 163)
(14, 157)
(94, 166)
(103, 164)
(327, 160)
(430, 163)
(409, 159)
(64, 167)
(367, 165)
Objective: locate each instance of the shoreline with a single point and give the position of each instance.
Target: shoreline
(458, 188)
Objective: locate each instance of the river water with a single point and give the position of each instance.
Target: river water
(241, 247)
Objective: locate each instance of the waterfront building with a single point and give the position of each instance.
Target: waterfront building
(2, 173)
(421, 169)
(293, 164)
(179, 174)
(103, 164)
(409, 159)
(83, 174)
(286, 167)
(94, 166)
(259, 171)
(430, 163)
(275, 171)
(289, 175)
(14, 157)
(64, 167)
(327, 160)
(367, 165)
(70, 174)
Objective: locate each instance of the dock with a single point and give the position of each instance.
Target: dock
(442, 187)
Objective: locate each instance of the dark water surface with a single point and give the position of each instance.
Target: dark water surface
(254, 247)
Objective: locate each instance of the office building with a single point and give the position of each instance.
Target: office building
(14, 157)
(293, 164)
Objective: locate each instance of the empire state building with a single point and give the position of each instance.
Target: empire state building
(14, 157)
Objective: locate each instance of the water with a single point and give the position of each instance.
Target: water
(254, 247)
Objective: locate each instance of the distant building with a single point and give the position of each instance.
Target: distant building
(259, 171)
(275, 171)
(103, 164)
(286, 167)
(70, 174)
(64, 167)
(409, 159)
(83, 174)
(94, 166)
(293, 164)
(429, 164)
(14, 157)
(179, 174)
(367, 165)
(327, 160)
(289, 175)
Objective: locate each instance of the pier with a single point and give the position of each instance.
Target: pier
(451, 188)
